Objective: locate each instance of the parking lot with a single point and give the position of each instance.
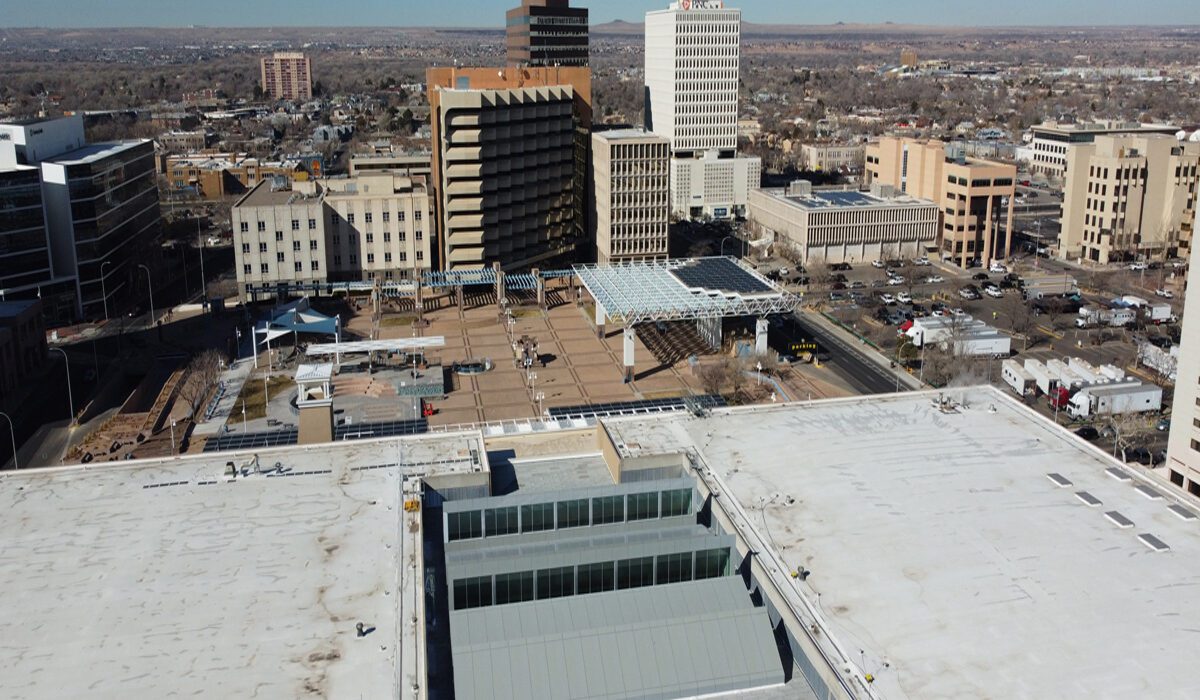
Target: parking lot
(855, 298)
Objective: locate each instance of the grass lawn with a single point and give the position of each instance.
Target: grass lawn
(256, 402)
(397, 321)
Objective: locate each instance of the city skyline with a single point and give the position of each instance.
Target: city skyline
(138, 13)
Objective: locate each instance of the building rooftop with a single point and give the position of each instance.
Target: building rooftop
(265, 195)
(628, 134)
(95, 152)
(958, 548)
(1103, 126)
(975, 551)
(849, 200)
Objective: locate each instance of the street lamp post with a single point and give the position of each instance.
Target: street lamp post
(103, 288)
(203, 279)
(150, 286)
(70, 394)
(12, 433)
(172, 437)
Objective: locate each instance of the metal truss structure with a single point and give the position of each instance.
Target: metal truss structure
(643, 292)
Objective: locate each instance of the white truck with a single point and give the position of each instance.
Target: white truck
(1159, 314)
(1093, 316)
(1043, 286)
(1115, 399)
(1015, 376)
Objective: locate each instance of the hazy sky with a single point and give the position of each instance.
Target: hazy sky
(476, 13)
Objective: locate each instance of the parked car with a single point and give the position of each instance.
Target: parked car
(887, 299)
(858, 284)
(980, 276)
(837, 296)
(1138, 266)
(1087, 432)
(877, 264)
(922, 262)
(1163, 425)
(994, 292)
(895, 281)
(841, 267)
(988, 284)
(997, 268)
(1164, 293)
(968, 294)
(838, 285)
(957, 312)
(878, 283)
(904, 298)
(1140, 455)
(838, 278)
(919, 311)
(934, 279)
(939, 307)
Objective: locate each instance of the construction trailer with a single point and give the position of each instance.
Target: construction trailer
(1017, 378)
(1043, 379)
(1115, 399)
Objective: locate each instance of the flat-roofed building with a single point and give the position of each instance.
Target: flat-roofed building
(399, 163)
(216, 175)
(1053, 140)
(836, 227)
(25, 259)
(103, 214)
(23, 347)
(510, 164)
(976, 197)
(1129, 196)
(631, 208)
(346, 229)
(185, 141)
(692, 73)
(547, 33)
(287, 75)
(832, 157)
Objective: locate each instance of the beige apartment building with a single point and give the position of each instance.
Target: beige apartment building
(215, 175)
(353, 229)
(845, 226)
(631, 195)
(975, 197)
(510, 164)
(1129, 196)
(287, 75)
(1183, 446)
(832, 157)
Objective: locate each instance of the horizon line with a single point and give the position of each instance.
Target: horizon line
(883, 24)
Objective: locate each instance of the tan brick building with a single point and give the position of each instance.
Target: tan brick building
(976, 197)
(1129, 196)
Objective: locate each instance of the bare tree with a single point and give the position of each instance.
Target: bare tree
(1020, 317)
(713, 378)
(1128, 430)
(202, 374)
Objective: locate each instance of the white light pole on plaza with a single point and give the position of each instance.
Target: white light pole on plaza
(12, 433)
(70, 394)
(150, 286)
(103, 288)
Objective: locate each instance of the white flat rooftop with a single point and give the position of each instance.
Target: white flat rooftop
(940, 544)
(162, 579)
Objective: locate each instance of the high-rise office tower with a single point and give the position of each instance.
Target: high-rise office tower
(547, 33)
(287, 75)
(93, 215)
(510, 159)
(692, 68)
(631, 208)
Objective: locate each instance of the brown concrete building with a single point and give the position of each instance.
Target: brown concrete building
(218, 175)
(287, 76)
(547, 33)
(22, 343)
(510, 164)
(976, 197)
(1128, 196)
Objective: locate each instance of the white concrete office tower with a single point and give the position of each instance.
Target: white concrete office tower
(1183, 448)
(630, 195)
(693, 54)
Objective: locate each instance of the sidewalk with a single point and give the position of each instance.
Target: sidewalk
(235, 378)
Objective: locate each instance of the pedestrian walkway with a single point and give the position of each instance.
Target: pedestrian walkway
(233, 379)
